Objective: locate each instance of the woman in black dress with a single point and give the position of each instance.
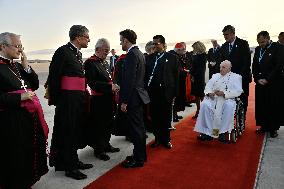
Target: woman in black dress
(198, 73)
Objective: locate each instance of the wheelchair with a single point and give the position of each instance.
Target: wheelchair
(239, 122)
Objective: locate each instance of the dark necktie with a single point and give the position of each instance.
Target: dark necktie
(230, 47)
(80, 57)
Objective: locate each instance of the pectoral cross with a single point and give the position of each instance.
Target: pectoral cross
(23, 86)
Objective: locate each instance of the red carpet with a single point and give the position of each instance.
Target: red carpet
(193, 164)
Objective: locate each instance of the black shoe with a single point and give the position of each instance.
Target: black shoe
(175, 119)
(168, 145)
(83, 166)
(130, 158)
(222, 138)
(155, 144)
(204, 137)
(132, 164)
(179, 117)
(112, 149)
(260, 130)
(102, 156)
(75, 174)
(273, 134)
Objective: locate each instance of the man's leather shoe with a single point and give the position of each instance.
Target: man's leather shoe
(273, 134)
(168, 145)
(102, 156)
(155, 144)
(83, 166)
(222, 138)
(260, 130)
(130, 158)
(75, 174)
(204, 137)
(132, 164)
(112, 149)
(179, 117)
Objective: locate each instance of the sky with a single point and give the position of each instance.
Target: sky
(44, 24)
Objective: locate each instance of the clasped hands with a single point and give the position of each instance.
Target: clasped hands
(27, 95)
(217, 93)
(262, 81)
(115, 87)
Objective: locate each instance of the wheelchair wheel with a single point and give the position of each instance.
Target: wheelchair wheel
(240, 119)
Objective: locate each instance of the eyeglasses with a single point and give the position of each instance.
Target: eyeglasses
(20, 47)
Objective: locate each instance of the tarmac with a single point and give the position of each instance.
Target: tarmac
(270, 173)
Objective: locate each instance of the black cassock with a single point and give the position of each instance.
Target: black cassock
(23, 158)
(69, 119)
(269, 102)
(101, 105)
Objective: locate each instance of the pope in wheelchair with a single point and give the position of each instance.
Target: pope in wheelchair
(217, 111)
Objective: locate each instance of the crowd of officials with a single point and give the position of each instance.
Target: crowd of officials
(126, 96)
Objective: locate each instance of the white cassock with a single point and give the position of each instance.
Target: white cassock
(216, 114)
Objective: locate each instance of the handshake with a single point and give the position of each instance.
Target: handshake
(115, 88)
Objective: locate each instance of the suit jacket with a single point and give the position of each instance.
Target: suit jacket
(170, 74)
(269, 66)
(240, 58)
(112, 62)
(132, 91)
(213, 57)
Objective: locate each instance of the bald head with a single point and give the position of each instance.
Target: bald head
(225, 67)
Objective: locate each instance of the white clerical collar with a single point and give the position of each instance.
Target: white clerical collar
(6, 58)
(130, 48)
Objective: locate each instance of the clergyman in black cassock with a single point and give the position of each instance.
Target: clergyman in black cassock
(99, 80)
(133, 96)
(237, 51)
(266, 68)
(67, 91)
(23, 130)
(162, 80)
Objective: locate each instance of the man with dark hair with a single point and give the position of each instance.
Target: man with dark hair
(162, 82)
(237, 51)
(133, 96)
(266, 68)
(112, 60)
(67, 90)
(281, 38)
(212, 56)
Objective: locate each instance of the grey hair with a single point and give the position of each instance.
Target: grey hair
(149, 46)
(5, 38)
(77, 31)
(227, 62)
(101, 42)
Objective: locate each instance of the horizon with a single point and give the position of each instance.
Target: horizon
(44, 25)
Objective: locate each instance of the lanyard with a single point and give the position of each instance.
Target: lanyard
(152, 74)
(261, 54)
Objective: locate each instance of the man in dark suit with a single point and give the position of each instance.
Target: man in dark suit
(266, 67)
(237, 51)
(112, 60)
(212, 56)
(133, 96)
(162, 80)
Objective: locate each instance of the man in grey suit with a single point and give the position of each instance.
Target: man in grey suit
(133, 96)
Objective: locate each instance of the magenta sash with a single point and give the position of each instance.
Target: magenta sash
(33, 106)
(73, 83)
